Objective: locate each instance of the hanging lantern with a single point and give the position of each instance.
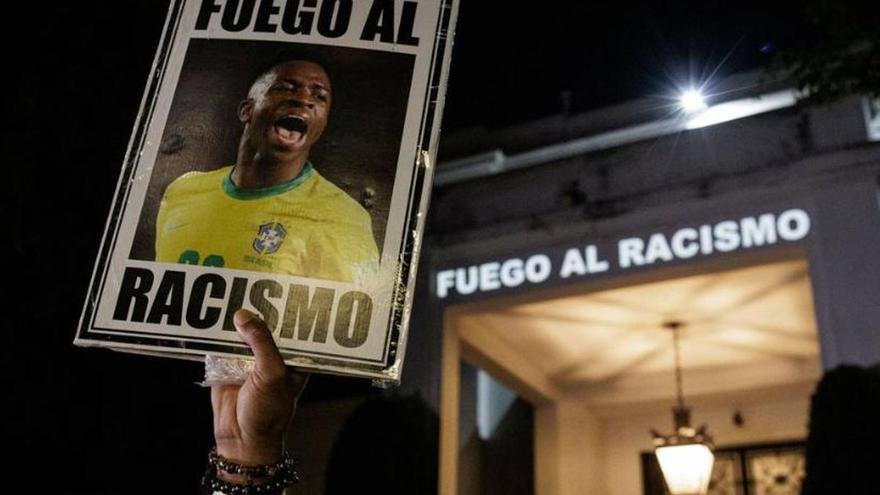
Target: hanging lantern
(685, 457)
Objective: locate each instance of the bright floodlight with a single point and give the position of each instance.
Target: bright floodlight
(692, 101)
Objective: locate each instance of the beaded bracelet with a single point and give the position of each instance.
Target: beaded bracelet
(258, 471)
(279, 476)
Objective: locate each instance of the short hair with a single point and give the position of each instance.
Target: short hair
(286, 56)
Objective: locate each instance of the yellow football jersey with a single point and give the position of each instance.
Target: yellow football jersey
(306, 226)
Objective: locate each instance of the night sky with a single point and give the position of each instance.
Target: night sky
(509, 65)
(75, 72)
(514, 66)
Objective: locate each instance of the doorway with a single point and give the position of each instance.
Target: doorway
(597, 367)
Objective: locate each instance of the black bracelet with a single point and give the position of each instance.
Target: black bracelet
(278, 476)
(259, 471)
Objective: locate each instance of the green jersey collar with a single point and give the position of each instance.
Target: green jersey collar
(266, 192)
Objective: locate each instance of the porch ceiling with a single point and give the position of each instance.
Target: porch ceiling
(743, 328)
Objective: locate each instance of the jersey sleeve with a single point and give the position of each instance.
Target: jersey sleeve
(345, 251)
(162, 220)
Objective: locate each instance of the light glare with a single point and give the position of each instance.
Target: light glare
(692, 100)
(738, 109)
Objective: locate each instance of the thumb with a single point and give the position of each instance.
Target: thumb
(256, 335)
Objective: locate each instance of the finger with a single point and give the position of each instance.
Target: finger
(220, 395)
(223, 402)
(254, 333)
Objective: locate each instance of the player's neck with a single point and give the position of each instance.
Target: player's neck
(260, 174)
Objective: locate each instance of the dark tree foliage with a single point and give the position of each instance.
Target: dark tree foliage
(844, 433)
(841, 56)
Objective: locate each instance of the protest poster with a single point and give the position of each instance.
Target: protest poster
(281, 162)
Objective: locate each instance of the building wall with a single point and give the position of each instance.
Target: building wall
(569, 451)
(698, 164)
(816, 158)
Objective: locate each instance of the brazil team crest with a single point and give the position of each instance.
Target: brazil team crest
(269, 238)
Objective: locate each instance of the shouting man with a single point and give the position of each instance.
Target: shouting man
(271, 211)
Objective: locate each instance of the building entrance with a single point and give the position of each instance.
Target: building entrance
(597, 366)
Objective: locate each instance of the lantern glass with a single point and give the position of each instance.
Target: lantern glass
(687, 468)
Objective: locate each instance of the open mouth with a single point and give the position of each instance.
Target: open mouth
(291, 128)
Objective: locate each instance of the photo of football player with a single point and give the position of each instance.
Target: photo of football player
(271, 211)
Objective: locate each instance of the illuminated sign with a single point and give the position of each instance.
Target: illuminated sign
(655, 248)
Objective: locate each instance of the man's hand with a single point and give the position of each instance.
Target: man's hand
(250, 420)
